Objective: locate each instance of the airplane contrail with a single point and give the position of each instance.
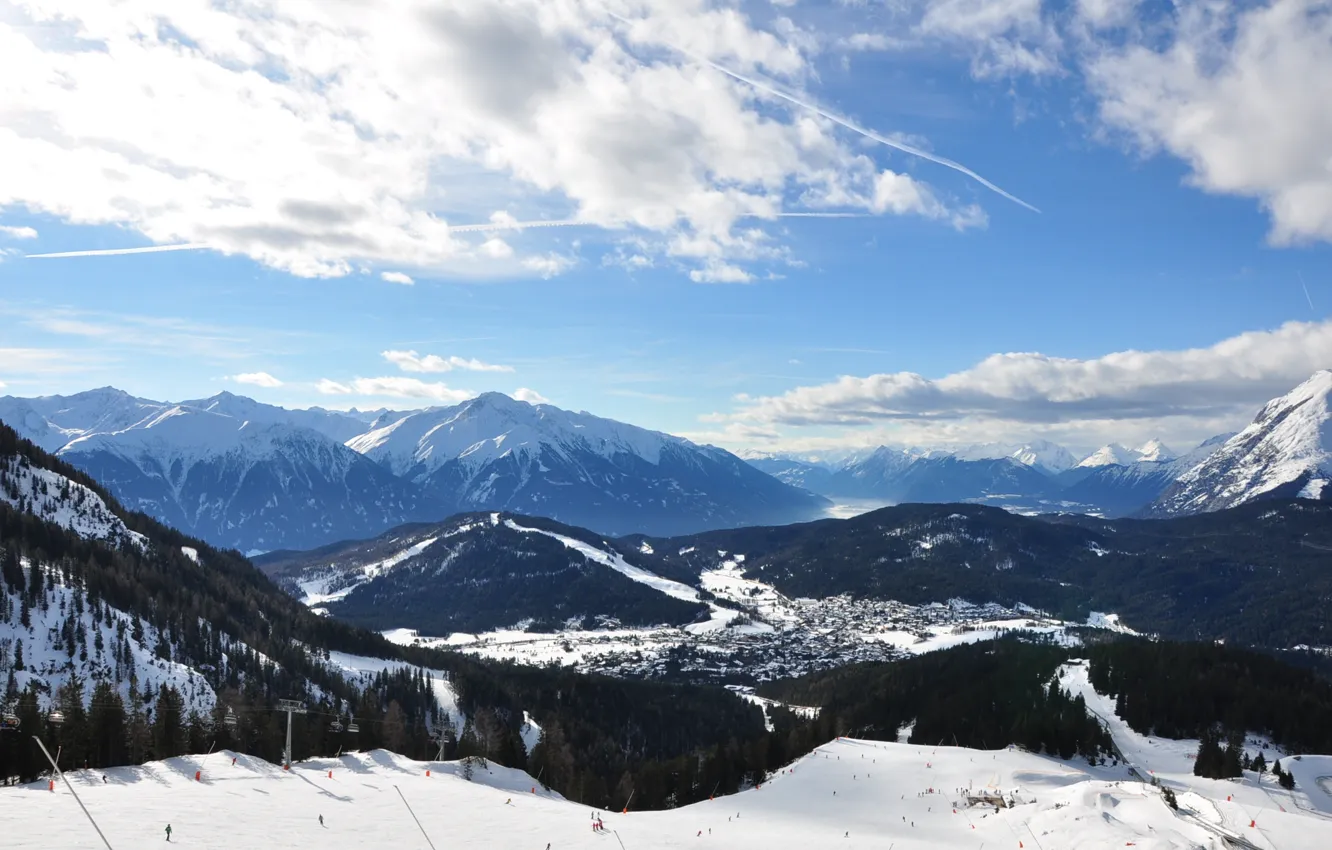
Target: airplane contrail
(109, 252)
(1305, 287)
(845, 122)
(459, 228)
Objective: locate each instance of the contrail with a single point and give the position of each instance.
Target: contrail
(458, 228)
(110, 252)
(847, 123)
(1305, 287)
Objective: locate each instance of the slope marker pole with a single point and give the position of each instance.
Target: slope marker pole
(86, 813)
(415, 818)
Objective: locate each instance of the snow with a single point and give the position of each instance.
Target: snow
(48, 662)
(190, 552)
(333, 584)
(1109, 622)
(256, 804)
(613, 560)
(1154, 451)
(82, 512)
(365, 666)
(485, 428)
(1295, 819)
(530, 732)
(1290, 438)
(1111, 455)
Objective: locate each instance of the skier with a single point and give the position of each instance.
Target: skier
(168, 832)
(321, 820)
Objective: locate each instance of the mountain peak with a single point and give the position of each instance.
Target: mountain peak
(1112, 454)
(1154, 451)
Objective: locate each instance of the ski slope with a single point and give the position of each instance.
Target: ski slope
(847, 794)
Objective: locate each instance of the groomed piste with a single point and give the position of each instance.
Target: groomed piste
(849, 793)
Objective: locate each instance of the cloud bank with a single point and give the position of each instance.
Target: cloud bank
(1184, 395)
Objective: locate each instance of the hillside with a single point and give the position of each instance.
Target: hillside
(146, 639)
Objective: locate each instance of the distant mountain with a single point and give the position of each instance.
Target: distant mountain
(798, 473)
(257, 477)
(1285, 453)
(496, 453)
(1110, 455)
(1043, 455)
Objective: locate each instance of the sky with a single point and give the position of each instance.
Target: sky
(781, 225)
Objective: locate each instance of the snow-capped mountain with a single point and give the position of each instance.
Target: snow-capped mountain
(497, 453)
(1110, 455)
(1044, 455)
(250, 485)
(52, 421)
(1286, 452)
(258, 477)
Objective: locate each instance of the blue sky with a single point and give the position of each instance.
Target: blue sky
(678, 302)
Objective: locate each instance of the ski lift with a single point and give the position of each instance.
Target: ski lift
(55, 718)
(335, 727)
(352, 727)
(9, 721)
(230, 719)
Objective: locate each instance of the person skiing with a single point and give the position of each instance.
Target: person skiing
(168, 832)
(321, 820)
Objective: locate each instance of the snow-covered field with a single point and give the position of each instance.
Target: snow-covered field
(848, 793)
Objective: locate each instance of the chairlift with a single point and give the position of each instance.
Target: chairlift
(230, 719)
(335, 727)
(55, 718)
(352, 727)
(9, 721)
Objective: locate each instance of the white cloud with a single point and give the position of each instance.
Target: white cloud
(410, 361)
(1241, 94)
(314, 138)
(328, 387)
(396, 277)
(717, 271)
(1184, 395)
(530, 396)
(549, 265)
(17, 232)
(901, 194)
(257, 379)
(398, 387)
(496, 248)
(395, 387)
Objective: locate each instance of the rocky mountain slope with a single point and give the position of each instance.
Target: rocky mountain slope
(1285, 453)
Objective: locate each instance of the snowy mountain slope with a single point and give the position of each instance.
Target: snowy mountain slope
(336, 425)
(53, 421)
(72, 636)
(245, 484)
(54, 498)
(1050, 458)
(496, 453)
(1112, 454)
(381, 800)
(259, 477)
(1286, 452)
(478, 572)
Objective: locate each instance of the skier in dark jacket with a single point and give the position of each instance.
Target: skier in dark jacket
(168, 832)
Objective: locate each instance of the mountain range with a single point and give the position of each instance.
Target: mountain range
(1286, 452)
(259, 478)
(256, 477)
